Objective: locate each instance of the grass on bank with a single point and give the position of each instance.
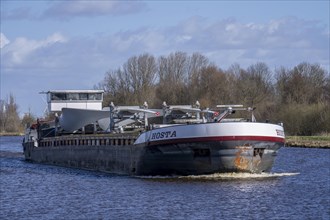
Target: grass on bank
(308, 138)
(11, 134)
(322, 141)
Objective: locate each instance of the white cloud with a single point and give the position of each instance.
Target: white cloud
(19, 51)
(183, 38)
(269, 42)
(3, 40)
(142, 40)
(69, 9)
(273, 26)
(286, 33)
(286, 41)
(18, 13)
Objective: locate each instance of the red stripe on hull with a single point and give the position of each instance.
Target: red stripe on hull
(220, 138)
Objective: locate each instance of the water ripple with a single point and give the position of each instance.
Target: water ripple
(298, 188)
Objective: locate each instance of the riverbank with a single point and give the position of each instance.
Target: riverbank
(11, 134)
(308, 141)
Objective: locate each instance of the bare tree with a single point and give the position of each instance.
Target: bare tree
(133, 83)
(115, 88)
(196, 64)
(9, 119)
(3, 118)
(214, 87)
(305, 83)
(172, 74)
(303, 99)
(254, 84)
(140, 74)
(28, 119)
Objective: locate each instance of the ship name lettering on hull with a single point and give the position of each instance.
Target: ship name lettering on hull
(164, 134)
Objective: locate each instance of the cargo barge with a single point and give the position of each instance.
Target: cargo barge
(173, 140)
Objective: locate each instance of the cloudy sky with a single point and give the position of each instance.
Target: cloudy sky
(48, 45)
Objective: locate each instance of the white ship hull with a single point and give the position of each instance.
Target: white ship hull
(210, 148)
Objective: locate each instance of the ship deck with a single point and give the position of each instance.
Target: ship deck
(127, 138)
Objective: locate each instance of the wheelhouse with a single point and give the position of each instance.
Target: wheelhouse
(81, 99)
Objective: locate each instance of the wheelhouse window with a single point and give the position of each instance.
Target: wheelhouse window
(98, 96)
(58, 96)
(83, 96)
(72, 96)
(76, 96)
(95, 96)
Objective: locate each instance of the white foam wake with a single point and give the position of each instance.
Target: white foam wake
(239, 175)
(224, 176)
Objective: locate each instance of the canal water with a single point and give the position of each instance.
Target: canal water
(297, 188)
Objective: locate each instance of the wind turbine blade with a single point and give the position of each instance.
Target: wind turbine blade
(74, 119)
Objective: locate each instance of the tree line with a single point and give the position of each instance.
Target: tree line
(10, 122)
(299, 96)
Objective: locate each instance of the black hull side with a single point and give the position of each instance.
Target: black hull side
(104, 158)
(172, 159)
(209, 157)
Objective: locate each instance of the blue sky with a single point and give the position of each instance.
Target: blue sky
(48, 45)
